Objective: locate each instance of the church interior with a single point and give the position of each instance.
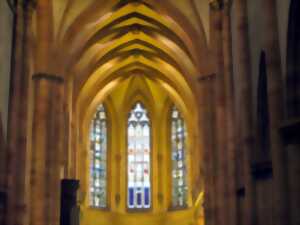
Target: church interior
(149, 112)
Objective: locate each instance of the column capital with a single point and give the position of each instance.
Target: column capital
(30, 3)
(207, 77)
(46, 76)
(24, 3)
(219, 4)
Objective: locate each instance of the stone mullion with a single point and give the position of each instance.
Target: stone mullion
(275, 102)
(244, 101)
(231, 143)
(47, 147)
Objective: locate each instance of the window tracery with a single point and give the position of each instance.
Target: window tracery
(138, 159)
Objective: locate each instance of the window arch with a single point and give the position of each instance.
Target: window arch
(138, 159)
(178, 150)
(98, 159)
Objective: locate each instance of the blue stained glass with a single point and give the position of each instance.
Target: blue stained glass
(147, 197)
(178, 139)
(138, 158)
(131, 196)
(98, 161)
(139, 199)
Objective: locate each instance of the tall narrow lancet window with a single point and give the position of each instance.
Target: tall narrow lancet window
(293, 62)
(98, 156)
(263, 131)
(139, 185)
(178, 145)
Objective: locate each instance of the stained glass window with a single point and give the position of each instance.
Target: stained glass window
(139, 186)
(98, 156)
(178, 140)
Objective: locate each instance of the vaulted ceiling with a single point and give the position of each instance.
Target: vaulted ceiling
(75, 37)
(96, 44)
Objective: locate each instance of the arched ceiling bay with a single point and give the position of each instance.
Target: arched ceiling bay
(81, 33)
(101, 84)
(66, 13)
(97, 43)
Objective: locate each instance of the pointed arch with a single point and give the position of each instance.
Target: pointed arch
(139, 91)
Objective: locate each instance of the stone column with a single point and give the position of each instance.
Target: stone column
(275, 101)
(47, 147)
(216, 13)
(230, 195)
(244, 102)
(207, 120)
(17, 135)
